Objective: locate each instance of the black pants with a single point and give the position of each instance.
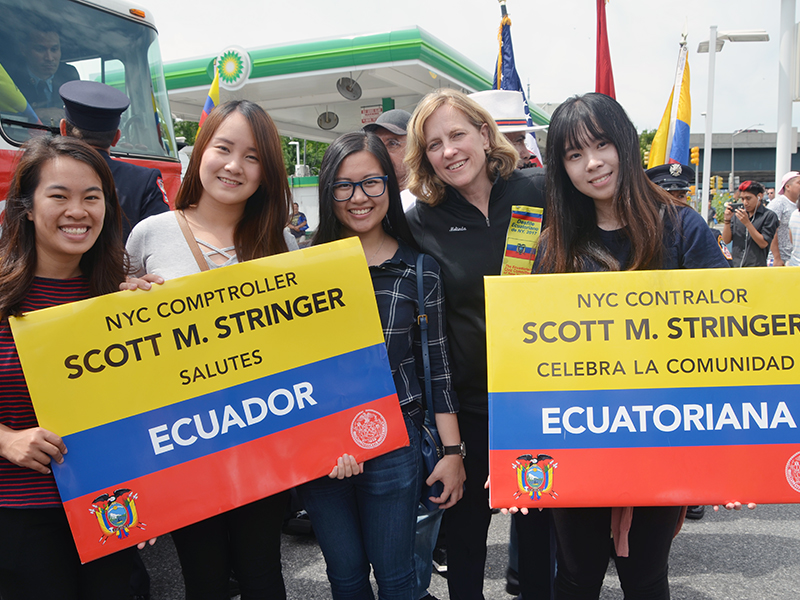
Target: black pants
(38, 560)
(467, 523)
(537, 554)
(584, 547)
(245, 541)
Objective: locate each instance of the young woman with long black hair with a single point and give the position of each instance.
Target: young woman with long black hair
(365, 514)
(61, 242)
(604, 214)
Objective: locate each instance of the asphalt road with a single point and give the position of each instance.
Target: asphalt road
(730, 555)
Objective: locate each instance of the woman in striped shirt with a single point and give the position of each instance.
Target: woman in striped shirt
(61, 242)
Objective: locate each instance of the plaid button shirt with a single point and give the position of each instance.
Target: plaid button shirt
(395, 283)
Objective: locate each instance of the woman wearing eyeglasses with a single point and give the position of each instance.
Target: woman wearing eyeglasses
(365, 514)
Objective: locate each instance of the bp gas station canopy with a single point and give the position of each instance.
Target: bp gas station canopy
(311, 89)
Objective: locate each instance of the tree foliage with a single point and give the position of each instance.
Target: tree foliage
(313, 153)
(646, 141)
(186, 129)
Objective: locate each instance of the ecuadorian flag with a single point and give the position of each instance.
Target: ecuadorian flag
(671, 144)
(212, 101)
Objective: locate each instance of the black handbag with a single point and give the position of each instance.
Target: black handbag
(432, 449)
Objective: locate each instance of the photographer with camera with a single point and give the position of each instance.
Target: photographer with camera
(750, 226)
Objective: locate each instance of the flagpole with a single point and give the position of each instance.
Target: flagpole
(503, 7)
(676, 95)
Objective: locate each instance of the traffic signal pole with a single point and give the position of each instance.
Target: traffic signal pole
(694, 158)
(697, 205)
(712, 54)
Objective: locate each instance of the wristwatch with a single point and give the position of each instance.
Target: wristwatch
(460, 449)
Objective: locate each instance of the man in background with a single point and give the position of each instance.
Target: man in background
(43, 72)
(507, 108)
(784, 205)
(298, 223)
(749, 226)
(92, 113)
(677, 180)
(391, 128)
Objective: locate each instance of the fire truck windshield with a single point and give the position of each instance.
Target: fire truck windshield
(45, 43)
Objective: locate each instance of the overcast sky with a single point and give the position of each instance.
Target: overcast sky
(554, 43)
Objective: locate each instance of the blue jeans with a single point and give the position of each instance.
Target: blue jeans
(370, 519)
(428, 524)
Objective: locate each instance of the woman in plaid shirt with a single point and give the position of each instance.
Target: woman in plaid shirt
(365, 513)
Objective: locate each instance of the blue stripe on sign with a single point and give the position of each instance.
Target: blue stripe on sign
(142, 444)
(722, 416)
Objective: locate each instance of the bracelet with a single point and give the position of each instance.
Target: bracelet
(727, 222)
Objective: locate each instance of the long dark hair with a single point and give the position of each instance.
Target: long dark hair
(330, 229)
(105, 264)
(571, 236)
(259, 233)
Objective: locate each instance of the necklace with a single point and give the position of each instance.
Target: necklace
(371, 258)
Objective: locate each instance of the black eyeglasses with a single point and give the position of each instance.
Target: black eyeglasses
(372, 187)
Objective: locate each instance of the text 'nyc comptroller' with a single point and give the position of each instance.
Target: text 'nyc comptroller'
(648, 388)
(211, 391)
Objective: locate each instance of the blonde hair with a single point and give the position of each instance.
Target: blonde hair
(501, 157)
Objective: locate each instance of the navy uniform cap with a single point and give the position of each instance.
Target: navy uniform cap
(93, 106)
(672, 177)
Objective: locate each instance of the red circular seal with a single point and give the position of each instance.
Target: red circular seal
(793, 472)
(368, 429)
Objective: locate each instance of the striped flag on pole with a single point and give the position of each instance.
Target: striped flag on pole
(671, 142)
(507, 78)
(212, 101)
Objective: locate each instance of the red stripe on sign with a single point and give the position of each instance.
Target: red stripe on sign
(195, 490)
(687, 475)
(527, 217)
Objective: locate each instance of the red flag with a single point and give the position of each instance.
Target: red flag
(604, 76)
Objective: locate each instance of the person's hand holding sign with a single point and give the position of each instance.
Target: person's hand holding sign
(140, 283)
(32, 448)
(346, 466)
(735, 506)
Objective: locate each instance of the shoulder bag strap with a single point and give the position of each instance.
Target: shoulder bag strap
(422, 320)
(187, 233)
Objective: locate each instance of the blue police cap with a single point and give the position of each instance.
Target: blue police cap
(93, 106)
(672, 177)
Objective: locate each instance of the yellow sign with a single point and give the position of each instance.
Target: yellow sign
(644, 329)
(123, 354)
(647, 388)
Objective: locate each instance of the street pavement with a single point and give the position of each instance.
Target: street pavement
(729, 555)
